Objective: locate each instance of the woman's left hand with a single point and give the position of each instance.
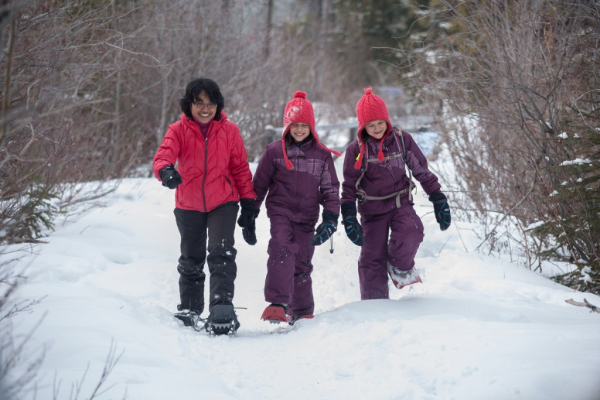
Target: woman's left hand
(247, 215)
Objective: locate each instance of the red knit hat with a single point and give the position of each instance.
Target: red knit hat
(369, 108)
(299, 110)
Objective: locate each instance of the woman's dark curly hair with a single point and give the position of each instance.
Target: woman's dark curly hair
(193, 90)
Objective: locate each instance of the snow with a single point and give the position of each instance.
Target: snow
(577, 161)
(478, 327)
(585, 274)
(563, 135)
(534, 225)
(426, 140)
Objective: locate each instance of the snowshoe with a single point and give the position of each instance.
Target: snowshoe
(189, 317)
(222, 320)
(293, 320)
(275, 313)
(403, 278)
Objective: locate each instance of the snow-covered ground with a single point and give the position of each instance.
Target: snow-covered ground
(477, 328)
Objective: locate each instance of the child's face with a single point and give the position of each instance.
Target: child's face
(376, 129)
(299, 131)
(203, 109)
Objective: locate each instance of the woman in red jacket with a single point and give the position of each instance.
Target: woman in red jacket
(212, 176)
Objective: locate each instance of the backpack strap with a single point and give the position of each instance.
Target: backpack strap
(361, 195)
(402, 148)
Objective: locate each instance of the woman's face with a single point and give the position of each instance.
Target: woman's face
(299, 131)
(376, 129)
(203, 109)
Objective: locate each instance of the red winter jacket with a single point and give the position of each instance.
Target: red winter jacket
(214, 170)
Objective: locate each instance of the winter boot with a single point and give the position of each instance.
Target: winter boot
(189, 317)
(222, 320)
(403, 278)
(276, 313)
(294, 319)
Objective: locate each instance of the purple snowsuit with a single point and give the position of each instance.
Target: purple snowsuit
(383, 219)
(293, 209)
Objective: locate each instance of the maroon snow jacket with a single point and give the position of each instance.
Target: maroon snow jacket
(298, 192)
(385, 177)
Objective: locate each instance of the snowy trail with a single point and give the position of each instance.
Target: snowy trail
(479, 327)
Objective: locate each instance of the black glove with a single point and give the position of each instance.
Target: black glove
(353, 229)
(170, 177)
(249, 232)
(247, 214)
(441, 210)
(325, 229)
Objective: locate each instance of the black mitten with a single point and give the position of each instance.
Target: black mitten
(353, 229)
(325, 228)
(441, 210)
(247, 214)
(249, 232)
(170, 177)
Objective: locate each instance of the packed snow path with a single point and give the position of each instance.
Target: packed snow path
(479, 327)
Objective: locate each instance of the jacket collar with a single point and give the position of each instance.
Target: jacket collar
(295, 150)
(193, 124)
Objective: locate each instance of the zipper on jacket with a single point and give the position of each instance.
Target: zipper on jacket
(230, 185)
(205, 165)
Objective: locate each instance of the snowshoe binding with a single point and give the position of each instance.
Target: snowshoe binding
(275, 314)
(403, 278)
(189, 317)
(293, 320)
(222, 320)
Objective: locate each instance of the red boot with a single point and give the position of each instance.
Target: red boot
(275, 313)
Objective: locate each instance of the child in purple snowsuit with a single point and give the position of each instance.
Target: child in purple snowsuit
(375, 174)
(298, 174)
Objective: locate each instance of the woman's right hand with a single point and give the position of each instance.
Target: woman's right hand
(170, 177)
(249, 231)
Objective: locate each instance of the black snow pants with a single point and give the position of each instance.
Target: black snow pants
(193, 227)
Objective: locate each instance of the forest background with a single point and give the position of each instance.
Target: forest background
(89, 88)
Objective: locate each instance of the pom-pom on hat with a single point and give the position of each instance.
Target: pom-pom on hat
(299, 110)
(369, 108)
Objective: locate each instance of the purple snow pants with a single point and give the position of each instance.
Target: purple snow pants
(289, 266)
(404, 240)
